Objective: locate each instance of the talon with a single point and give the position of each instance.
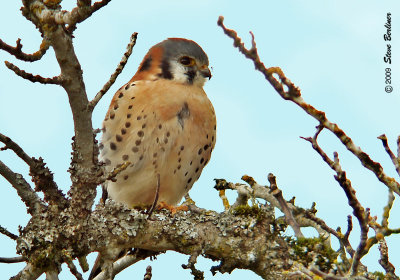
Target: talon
(172, 209)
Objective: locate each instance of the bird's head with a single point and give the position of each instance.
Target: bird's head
(177, 59)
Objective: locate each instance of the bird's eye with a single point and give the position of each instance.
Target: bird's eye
(186, 61)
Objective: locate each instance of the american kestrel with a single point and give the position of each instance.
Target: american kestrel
(162, 123)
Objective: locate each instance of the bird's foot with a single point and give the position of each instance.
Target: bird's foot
(172, 209)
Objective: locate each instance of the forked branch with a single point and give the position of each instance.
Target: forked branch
(287, 90)
(24, 190)
(18, 53)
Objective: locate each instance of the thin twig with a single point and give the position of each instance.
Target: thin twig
(345, 183)
(197, 274)
(7, 233)
(24, 190)
(349, 227)
(343, 240)
(398, 146)
(127, 261)
(118, 70)
(384, 233)
(41, 175)
(9, 144)
(74, 270)
(113, 173)
(57, 80)
(147, 275)
(387, 209)
(285, 209)
(394, 159)
(12, 260)
(18, 53)
(287, 90)
(360, 252)
(346, 236)
(333, 277)
(384, 259)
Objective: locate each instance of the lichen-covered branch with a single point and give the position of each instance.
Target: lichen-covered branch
(18, 53)
(57, 80)
(24, 190)
(224, 236)
(287, 90)
(50, 13)
(264, 192)
(120, 67)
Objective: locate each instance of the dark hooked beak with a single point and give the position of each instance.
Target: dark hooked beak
(206, 73)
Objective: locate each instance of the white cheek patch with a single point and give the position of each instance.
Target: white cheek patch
(179, 74)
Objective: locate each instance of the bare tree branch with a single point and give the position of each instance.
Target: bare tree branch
(384, 259)
(41, 175)
(263, 192)
(394, 159)
(18, 53)
(285, 209)
(39, 12)
(57, 80)
(398, 146)
(387, 209)
(344, 240)
(7, 233)
(358, 211)
(12, 260)
(147, 275)
(120, 67)
(84, 167)
(197, 274)
(9, 144)
(25, 192)
(327, 276)
(74, 270)
(287, 90)
(127, 261)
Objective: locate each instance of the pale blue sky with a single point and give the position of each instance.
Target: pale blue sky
(332, 50)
